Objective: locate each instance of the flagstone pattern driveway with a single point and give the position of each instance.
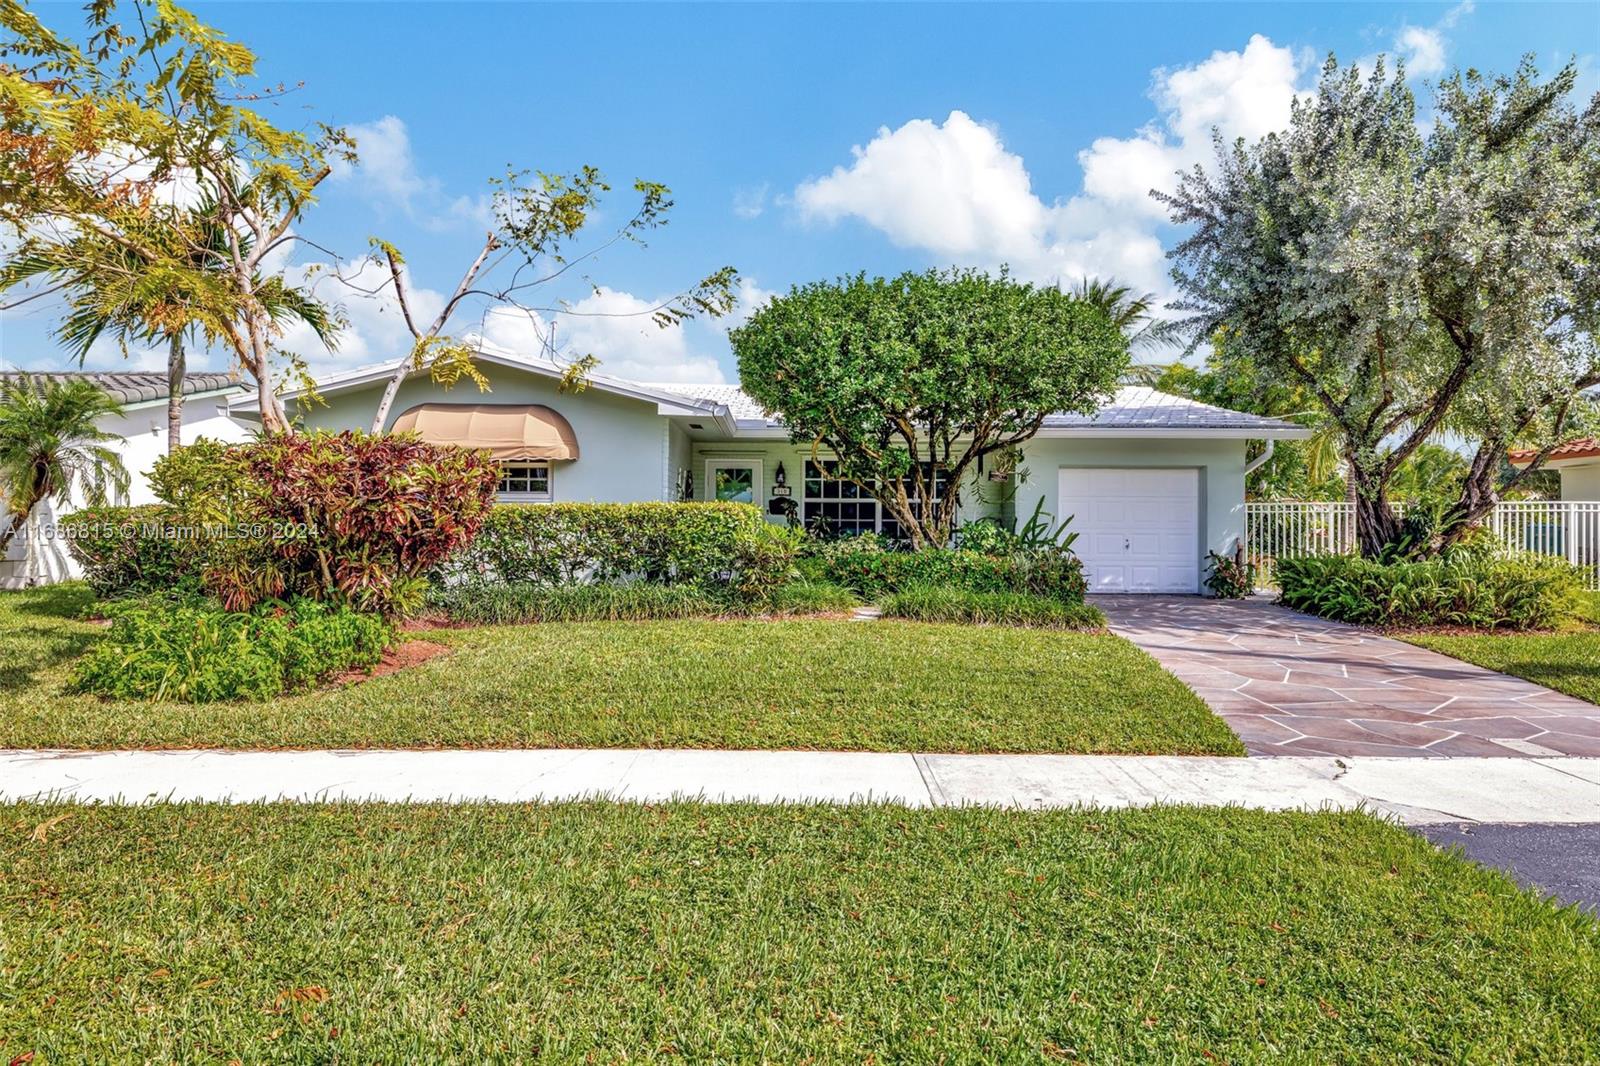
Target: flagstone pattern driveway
(1291, 684)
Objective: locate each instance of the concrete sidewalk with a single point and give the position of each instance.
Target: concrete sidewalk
(1418, 791)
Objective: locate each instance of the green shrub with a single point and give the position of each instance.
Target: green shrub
(942, 603)
(1230, 579)
(190, 650)
(1465, 589)
(1052, 573)
(133, 550)
(492, 603)
(810, 597)
(716, 546)
(345, 517)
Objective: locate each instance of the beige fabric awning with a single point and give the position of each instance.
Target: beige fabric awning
(509, 431)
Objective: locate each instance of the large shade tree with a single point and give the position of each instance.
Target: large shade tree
(912, 380)
(1411, 282)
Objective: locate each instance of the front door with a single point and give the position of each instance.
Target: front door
(734, 480)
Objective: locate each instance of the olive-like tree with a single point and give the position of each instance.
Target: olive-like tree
(1413, 283)
(911, 381)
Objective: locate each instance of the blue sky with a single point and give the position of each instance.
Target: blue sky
(800, 142)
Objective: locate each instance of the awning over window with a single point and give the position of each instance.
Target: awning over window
(509, 431)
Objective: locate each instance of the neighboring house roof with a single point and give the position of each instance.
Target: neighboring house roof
(137, 386)
(1582, 448)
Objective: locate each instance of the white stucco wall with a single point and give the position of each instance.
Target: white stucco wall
(1220, 463)
(622, 442)
(1581, 482)
(144, 433)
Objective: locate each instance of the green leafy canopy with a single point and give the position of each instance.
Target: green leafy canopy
(926, 371)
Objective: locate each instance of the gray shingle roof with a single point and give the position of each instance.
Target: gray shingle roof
(1133, 407)
(139, 386)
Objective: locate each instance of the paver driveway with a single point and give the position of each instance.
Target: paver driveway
(1291, 684)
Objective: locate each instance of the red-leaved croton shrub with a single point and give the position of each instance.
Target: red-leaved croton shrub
(359, 518)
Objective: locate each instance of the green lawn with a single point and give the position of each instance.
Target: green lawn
(882, 686)
(1568, 661)
(691, 933)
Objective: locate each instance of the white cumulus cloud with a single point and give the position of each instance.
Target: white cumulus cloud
(955, 190)
(951, 188)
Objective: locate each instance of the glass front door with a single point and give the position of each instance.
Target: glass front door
(734, 480)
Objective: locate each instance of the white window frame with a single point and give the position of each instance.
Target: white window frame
(881, 513)
(758, 486)
(547, 496)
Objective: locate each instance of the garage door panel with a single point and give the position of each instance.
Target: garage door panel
(1149, 513)
(1138, 528)
(1104, 512)
(1106, 546)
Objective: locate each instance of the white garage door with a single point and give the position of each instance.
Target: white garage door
(1138, 530)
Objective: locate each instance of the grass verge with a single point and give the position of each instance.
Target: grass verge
(786, 934)
(1567, 661)
(882, 686)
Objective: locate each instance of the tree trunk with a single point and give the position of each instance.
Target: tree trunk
(1479, 494)
(401, 372)
(1377, 526)
(273, 419)
(175, 369)
(8, 531)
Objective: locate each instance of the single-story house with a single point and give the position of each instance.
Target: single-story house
(1152, 481)
(1578, 463)
(142, 428)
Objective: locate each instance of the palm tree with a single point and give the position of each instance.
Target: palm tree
(51, 444)
(187, 292)
(1132, 314)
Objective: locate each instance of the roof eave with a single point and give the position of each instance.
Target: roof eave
(1215, 432)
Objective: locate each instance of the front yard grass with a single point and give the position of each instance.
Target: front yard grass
(876, 686)
(603, 932)
(1567, 661)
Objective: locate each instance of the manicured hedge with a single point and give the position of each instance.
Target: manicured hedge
(193, 651)
(941, 603)
(873, 572)
(1472, 590)
(493, 603)
(718, 546)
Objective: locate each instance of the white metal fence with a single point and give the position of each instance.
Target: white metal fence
(1564, 529)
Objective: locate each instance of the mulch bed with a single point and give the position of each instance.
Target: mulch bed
(398, 657)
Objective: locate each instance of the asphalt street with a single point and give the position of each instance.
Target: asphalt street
(1560, 860)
